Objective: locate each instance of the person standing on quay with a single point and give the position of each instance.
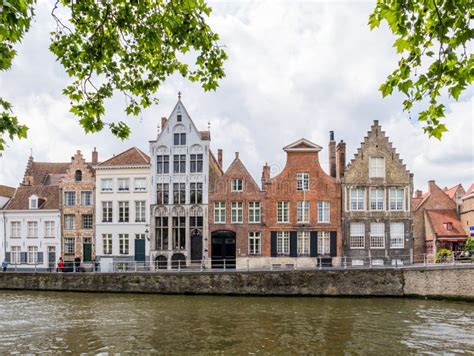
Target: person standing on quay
(60, 264)
(4, 265)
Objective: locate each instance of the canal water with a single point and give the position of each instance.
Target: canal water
(35, 322)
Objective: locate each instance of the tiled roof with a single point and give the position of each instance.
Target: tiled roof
(469, 191)
(6, 191)
(416, 202)
(131, 157)
(451, 192)
(438, 219)
(46, 173)
(205, 135)
(48, 195)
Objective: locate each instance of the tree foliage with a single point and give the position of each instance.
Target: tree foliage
(128, 47)
(432, 38)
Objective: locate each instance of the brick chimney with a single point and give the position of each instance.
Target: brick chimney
(418, 194)
(95, 157)
(265, 175)
(332, 155)
(219, 157)
(431, 185)
(236, 155)
(164, 120)
(340, 159)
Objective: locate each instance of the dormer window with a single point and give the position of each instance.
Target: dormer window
(33, 202)
(448, 226)
(78, 176)
(237, 185)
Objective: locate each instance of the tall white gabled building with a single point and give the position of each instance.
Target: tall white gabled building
(179, 194)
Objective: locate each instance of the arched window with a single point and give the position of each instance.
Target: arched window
(78, 175)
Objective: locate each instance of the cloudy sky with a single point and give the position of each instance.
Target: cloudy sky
(295, 69)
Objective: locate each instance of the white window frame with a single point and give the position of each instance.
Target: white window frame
(49, 229)
(397, 235)
(302, 181)
(219, 212)
(33, 202)
(237, 185)
(124, 215)
(140, 211)
(255, 213)
(237, 212)
(377, 196)
(15, 229)
(67, 198)
(69, 222)
(15, 255)
(139, 187)
(32, 255)
(87, 221)
(376, 167)
(357, 236)
(124, 244)
(68, 243)
(324, 243)
(107, 244)
(283, 212)
(255, 243)
(324, 212)
(357, 199)
(107, 212)
(396, 202)
(283, 243)
(377, 235)
(84, 198)
(303, 243)
(32, 229)
(302, 211)
(123, 185)
(107, 185)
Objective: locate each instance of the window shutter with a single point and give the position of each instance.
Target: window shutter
(333, 244)
(273, 243)
(293, 244)
(313, 244)
(23, 257)
(7, 257)
(40, 257)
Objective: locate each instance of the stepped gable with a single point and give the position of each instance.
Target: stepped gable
(43, 173)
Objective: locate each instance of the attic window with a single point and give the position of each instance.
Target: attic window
(33, 202)
(180, 118)
(78, 175)
(448, 226)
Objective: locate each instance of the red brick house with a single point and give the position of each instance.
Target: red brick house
(443, 230)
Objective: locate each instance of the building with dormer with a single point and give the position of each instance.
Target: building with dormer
(376, 192)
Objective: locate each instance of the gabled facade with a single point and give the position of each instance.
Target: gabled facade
(456, 193)
(179, 192)
(122, 203)
(236, 218)
(467, 211)
(302, 209)
(376, 192)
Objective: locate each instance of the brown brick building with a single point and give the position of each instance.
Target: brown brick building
(236, 217)
(467, 211)
(302, 208)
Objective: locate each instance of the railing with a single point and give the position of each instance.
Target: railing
(257, 263)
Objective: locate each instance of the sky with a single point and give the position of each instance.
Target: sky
(295, 69)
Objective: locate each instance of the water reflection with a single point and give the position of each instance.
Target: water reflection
(60, 322)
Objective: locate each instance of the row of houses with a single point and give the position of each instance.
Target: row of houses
(179, 205)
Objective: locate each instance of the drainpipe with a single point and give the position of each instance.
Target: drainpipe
(4, 235)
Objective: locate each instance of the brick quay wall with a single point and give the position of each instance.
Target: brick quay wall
(446, 282)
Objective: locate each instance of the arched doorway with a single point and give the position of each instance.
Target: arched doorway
(161, 262)
(223, 249)
(178, 260)
(196, 245)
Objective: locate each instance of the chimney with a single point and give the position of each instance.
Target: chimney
(332, 155)
(431, 185)
(236, 155)
(164, 120)
(340, 159)
(418, 194)
(219, 157)
(265, 175)
(95, 157)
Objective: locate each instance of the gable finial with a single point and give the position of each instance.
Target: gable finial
(179, 95)
(208, 125)
(31, 151)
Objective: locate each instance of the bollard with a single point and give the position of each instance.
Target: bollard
(296, 263)
(179, 265)
(224, 264)
(135, 266)
(248, 265)
(424, 259)
(345, 262)
(320, 263)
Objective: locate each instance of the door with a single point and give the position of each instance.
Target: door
(51, 257)
(196, 245)
(223, 249)
(140, 250)
(87, 252)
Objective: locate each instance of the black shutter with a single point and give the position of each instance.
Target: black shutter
(273, 243)
(23, 257)
(333, 244)
(313, 244)
(293, 244)
(40, 258)
(7, 257)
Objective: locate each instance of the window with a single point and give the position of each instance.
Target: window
(376, 199)
(179, 232)
(124, 212)
(107, 211)
(396, 199)
(237, 185)
(49, 229)
(15, 255)
(302, 212)
(236, 212)
(357, 199)
(179, 139)
(161, 232)
(397, 235)
(107, 243)
(87, 221)
(69, 222)
(69, 245)
(179, 193)
(179, 117)
(123, 185)
(15, 229)
(123, 244)
(254, 212)
(283, 242)
(32, 229)
(32, 255)
(377, 262)
(448, 226)
(254, 243)
(357, 238)
(140, 211)
(196, 193)
(303, 243)
(195, 222)
(179, 163)
(376, 167)
(162, 164)
(33, 202)
(377, 235)
(324, 243)
(86, 198)
(196, 163)
(324, 208)
(107, 185)
(282, 211)
(162, 193)
(302, 181)
(139, 236)
(69, 198)
(139, 184)
(219, 212)
(78, 176)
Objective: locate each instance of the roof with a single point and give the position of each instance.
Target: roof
(469, 192)
(6, 191)
(439, 217)
(46, 173)
(131, 157)
(302, 145)
(205, 135)
(49, 194)
(451, 192)
(236, 164)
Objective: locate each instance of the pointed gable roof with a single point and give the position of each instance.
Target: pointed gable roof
(238, 166)
(302, 145)
(131, 157)
(451, 192)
